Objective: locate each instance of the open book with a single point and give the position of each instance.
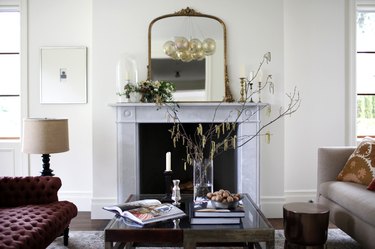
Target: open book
(146, 211)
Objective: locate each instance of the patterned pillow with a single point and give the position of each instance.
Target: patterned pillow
(360, 167)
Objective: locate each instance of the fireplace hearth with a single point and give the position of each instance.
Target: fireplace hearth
(143, 139)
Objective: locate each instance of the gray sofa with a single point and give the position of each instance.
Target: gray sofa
(352, 206)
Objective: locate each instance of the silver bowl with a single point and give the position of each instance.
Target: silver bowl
(226, 205)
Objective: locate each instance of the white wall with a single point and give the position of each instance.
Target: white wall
(315, 43)
(307, 41)
(63, 23)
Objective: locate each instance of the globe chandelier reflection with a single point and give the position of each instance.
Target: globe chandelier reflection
(187, 50)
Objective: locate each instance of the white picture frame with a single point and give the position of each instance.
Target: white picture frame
(63, 75)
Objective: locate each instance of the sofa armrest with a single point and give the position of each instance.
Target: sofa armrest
(331, 160)
(18, 191)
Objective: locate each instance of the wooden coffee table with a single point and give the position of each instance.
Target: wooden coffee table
(254, 228)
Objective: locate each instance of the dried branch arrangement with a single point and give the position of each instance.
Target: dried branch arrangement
(216, 138)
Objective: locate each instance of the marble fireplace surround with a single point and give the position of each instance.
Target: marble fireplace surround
(130, 115)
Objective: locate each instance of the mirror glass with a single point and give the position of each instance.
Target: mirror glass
(196, 80)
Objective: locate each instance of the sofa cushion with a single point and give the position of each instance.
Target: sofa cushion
(360, 167)
(353, 197)
(34, 226)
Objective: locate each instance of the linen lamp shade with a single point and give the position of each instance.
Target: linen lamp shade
(45, 136)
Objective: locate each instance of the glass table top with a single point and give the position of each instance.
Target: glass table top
(253, 220)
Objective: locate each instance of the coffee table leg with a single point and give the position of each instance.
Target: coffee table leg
(129, 245)
(108, 245)
(189, 245)
(249, 245)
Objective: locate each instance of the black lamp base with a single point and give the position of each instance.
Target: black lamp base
(46, 170)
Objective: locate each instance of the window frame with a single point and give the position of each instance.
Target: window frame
(14, 8)
(362, 6)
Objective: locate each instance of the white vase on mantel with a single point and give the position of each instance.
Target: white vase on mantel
(135, 97)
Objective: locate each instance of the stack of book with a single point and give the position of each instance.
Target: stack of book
(204, 213)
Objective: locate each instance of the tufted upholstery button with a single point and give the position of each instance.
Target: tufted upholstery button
(28, 227)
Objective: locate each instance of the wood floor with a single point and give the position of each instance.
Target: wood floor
(83, 222)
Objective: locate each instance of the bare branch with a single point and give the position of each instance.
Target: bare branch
(219, 137)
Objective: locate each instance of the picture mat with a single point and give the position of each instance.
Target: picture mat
(56, 88)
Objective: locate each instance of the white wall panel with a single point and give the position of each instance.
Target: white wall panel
(8, 164)
(314, 61)
(53, 24)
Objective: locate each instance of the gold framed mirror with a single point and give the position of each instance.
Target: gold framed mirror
(196, 79)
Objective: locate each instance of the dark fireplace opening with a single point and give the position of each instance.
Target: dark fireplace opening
(155, 141)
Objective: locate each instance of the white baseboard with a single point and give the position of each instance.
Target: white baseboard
(300, 195)
(81, 199)
(272, 206)
(97, 211)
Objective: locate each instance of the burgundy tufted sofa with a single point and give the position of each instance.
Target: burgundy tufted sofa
(31, 216)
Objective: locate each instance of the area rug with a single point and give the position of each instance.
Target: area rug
(95, 240)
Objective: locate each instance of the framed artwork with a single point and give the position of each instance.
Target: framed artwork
(63, 75)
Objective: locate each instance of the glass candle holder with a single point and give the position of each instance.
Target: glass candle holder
(126, 73)
(176, 196)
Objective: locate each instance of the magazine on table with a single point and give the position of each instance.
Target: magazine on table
(121, 208)
(146, 211)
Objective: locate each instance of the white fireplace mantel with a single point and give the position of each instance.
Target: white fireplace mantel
(130, 115)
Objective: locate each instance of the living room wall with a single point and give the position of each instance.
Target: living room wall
(307, 41)
(317, 57)
(61, 24)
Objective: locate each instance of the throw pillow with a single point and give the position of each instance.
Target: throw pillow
(360, 167)
(371, 186)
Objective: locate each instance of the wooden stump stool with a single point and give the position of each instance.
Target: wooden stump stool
(305, 225)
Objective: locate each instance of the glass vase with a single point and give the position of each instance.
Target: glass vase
(202, 178)
(126, 73)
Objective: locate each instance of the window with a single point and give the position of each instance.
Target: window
(10, 107)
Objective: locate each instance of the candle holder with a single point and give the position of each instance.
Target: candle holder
(251, 92)
(176, 196)
(168, 186)
(243, 89)
(176, 223)
(259, 88)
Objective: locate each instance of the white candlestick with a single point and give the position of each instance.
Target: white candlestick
(260, 76)
(251, 75)
(242, 71)
(168, 162)
(126, 75)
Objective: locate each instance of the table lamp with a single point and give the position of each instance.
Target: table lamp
(45, 136)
